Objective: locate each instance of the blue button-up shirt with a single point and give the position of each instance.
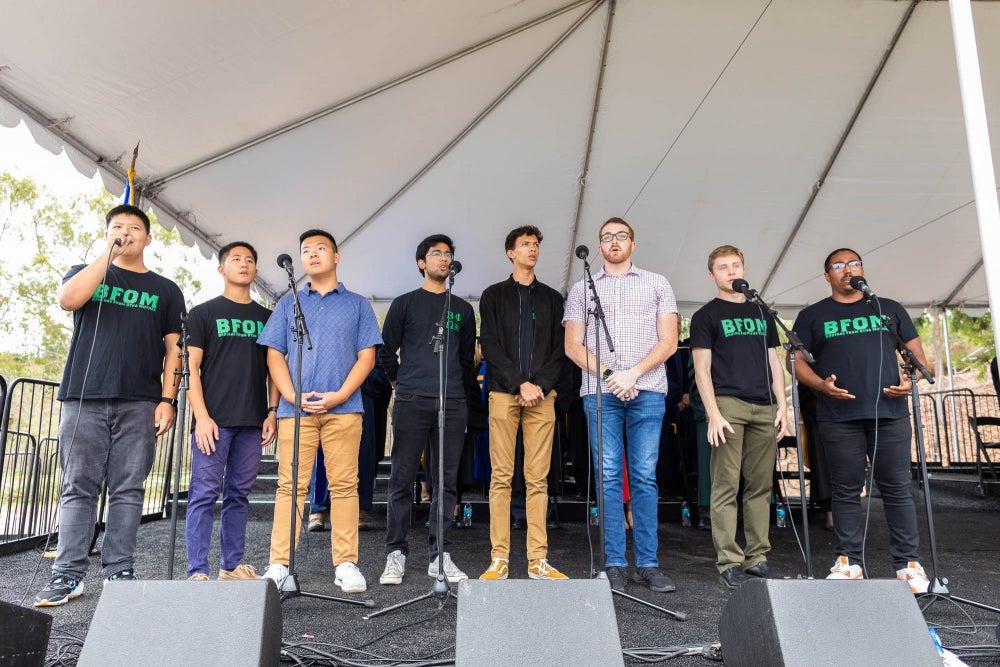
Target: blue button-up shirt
(341, 324)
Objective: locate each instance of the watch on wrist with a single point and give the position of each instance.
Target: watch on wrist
(171, 401)
(607, 373)
(272, 408)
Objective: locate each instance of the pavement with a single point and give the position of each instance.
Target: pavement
(967, 530)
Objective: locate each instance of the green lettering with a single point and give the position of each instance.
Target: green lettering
(222, 327)
(148, 301)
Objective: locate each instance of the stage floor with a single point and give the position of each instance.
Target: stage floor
(968, 542)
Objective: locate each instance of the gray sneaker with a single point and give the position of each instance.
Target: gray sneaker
(395, 567)
(451, 571)
(60, 590)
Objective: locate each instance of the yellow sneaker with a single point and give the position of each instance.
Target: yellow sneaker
(241, 571)
(498, 570)
(539, 568)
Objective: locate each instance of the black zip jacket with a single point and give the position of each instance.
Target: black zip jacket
(500, 319)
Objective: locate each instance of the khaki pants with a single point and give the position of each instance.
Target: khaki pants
(340, 435)
(750, 451)
(538, 425)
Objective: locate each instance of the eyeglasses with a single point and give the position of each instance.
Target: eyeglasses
(620, 236)
(854, 265)
(438, 254)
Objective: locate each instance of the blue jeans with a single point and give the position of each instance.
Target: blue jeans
(640, 420)
(102, 439)
(230, 470)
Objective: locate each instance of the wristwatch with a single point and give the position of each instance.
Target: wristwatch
(171, 401)
(607, 373)
(272, 408)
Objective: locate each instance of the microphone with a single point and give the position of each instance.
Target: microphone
(860, 284)
(582, 251)
(117, 242)
(285, 262)
(456, 268)
(740, 285)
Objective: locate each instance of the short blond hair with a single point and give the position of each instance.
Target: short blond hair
(724, 251)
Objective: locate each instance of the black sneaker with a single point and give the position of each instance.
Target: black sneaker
(122, 575)
(60, 590)
(616, 576)
(760, 570)
(733, 577)
(657, 581)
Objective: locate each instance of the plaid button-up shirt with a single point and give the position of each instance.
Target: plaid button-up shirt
(631, 302)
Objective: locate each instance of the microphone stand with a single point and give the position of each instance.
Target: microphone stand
(793, 345)
(440, 340)
(938, 587)
(598, 313)
(300, 332)
(179, 443)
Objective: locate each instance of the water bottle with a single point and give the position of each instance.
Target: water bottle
(685, 515)
(780, 516)
(594, 521)
(467, 515)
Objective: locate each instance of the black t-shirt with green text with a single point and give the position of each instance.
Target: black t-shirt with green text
(233, 365)
(739, 336)
(849, 340)
(136, 311)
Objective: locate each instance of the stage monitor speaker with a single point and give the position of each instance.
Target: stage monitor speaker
(796, 622)
(525, 622)
(183, 623)
(24, 636)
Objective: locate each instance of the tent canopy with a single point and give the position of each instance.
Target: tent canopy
(785, 127)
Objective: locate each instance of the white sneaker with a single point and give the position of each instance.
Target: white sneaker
(843, 569)
(451, 571)
(914, 575)
(350, 579)
(395, 567)
(277, 573)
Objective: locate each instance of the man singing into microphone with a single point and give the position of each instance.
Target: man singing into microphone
(118, 392)
(412, 365)
(863, 413)
(344, 334)
(523, 346)
(742, 385)
(641, 314)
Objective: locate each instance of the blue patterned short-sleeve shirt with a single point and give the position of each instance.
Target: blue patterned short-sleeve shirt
(341, 324)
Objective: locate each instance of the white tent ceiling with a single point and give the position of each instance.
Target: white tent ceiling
(786, 127)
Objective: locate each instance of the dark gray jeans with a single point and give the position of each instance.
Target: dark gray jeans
(113, 440)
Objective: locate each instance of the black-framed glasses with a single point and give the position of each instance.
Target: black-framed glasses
(620, 236)
(854, 265)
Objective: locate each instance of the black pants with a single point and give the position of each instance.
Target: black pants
(414, 427)
(848, 446)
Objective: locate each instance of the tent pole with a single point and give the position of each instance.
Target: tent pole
(980, 153)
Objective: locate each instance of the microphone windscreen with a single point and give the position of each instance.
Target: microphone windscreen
(740, 285)
(456, 267)
(284, 260)
(582, 251)
(857, 282)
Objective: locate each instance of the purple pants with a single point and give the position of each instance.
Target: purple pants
(231, 471)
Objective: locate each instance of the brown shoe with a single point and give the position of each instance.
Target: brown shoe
(241, 571)
(319, 521)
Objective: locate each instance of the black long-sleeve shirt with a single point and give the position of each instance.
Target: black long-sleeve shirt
(408, 354)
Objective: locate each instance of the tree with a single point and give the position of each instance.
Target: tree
(48, 236)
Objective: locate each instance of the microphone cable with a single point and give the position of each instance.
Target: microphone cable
(76, 426)
(870, 481)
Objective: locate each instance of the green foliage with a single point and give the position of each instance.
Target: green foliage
(971, 338)
(51, 236)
